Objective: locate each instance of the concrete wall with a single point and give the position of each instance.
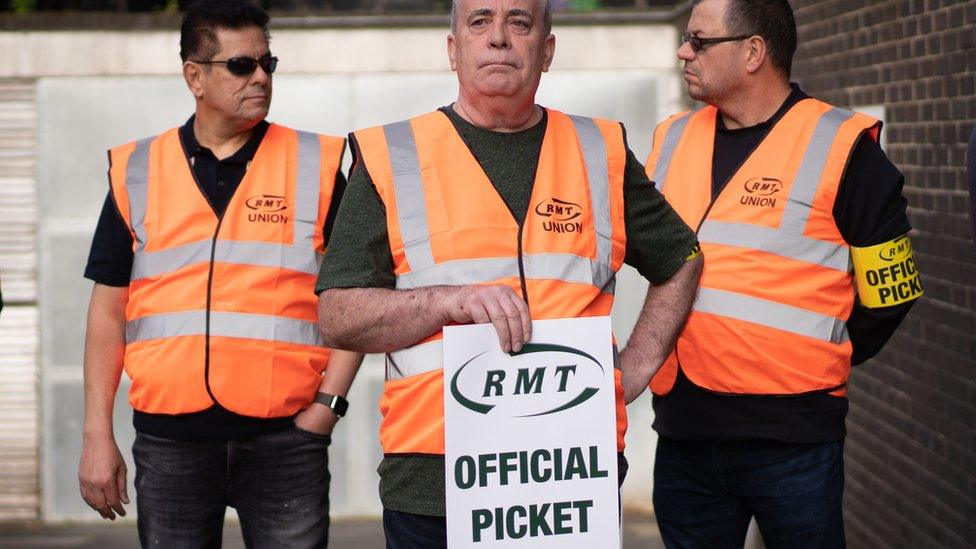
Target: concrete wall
(98, 89)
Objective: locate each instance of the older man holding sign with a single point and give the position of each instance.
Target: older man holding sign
(494, 210)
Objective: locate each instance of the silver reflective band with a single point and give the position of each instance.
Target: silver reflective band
(418, 359)
(308, 187)
(771, 314)
(262, 254)
(597, 173)
(223, 324)
(565, 267)
(569, 268)
(804, 188)
(136, 187)
(776, 242)
(409, 190)
(460, 272)
(671, 138)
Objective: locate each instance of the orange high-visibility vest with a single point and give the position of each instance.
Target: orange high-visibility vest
(223, 310)
(777, 285)
(448, 226)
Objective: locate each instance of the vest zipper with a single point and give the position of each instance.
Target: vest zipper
(213, 254)
(521, 263)
(206, 360)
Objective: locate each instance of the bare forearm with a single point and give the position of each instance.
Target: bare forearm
(104, 349)
(340, 372)
(665, 310)
(378, 320)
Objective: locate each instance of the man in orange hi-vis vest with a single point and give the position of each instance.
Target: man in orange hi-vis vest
(446, 221)
(204, 262)
(808, 270)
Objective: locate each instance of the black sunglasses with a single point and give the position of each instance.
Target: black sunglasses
(698, 44)
(243, 66)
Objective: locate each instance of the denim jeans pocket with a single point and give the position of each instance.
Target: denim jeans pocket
(309, 435)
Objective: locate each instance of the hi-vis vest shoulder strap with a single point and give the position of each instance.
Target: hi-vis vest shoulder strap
(221, 309)
(448, 226)
(412, 218)
(770, 317)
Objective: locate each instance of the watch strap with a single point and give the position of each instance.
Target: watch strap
(336, 403)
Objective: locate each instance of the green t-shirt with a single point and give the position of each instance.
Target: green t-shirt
(359, 256)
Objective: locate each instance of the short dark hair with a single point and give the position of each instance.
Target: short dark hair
(772, 20)
(198, 34)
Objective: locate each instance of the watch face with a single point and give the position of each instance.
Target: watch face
(339, 405)
(335, 403)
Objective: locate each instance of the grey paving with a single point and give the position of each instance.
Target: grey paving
(640, 532)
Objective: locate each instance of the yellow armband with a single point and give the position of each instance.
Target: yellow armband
(695, 252)
(886, 274)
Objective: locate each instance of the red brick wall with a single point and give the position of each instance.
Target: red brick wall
(911, 449)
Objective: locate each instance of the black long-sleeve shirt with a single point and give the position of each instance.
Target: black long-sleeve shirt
(869, 210)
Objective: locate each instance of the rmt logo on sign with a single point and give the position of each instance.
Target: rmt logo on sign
(558, 369)
(267, 209)
(561, 216)
(760, 192)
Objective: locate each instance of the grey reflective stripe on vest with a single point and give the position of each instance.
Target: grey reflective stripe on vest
(308, 187)
(418, 359)
(671, 139)
(594, 148)
(569, 268)
(565, 267)
(428, 357)
(260, 254)
(412, 215)
(776, 242)
(771, 314)
(807, 180)
(137, 188)
(409, 190)
(460, 272)
(223, 324)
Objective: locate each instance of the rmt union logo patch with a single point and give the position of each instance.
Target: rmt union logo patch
(761, 191)
(267, 208)
(560, 216)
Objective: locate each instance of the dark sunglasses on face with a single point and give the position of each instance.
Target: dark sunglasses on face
(243, 66)
(698, 44)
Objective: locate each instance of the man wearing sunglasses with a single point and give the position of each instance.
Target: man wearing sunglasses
(799, 214)
(204, 262)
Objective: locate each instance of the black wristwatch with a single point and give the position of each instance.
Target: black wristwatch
(336, 403)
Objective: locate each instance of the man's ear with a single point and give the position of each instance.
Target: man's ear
(550, 49)
(452, 51)
(756, 54)
(193, 74)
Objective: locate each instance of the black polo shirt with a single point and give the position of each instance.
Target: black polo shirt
(110, 263)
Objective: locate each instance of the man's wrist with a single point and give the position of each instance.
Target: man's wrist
(337, 404)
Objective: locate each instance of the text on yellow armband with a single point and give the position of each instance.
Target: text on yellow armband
(886, 273)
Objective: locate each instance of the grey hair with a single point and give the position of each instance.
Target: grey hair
(546, 6)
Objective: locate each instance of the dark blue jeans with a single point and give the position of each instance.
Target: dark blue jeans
(705, 493)
(279, 484)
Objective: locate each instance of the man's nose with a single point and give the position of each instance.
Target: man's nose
(499, 34)
(260, 75)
